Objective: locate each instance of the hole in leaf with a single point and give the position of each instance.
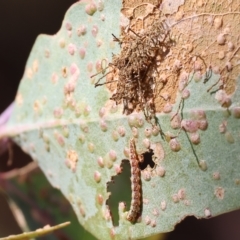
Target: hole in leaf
(120, 189)
(120, 185)
(147, 160)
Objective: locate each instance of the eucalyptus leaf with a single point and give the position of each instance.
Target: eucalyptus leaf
(79, 137)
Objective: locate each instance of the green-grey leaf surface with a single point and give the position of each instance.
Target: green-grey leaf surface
(79, 138)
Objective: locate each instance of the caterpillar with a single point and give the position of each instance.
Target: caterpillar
(136, 200)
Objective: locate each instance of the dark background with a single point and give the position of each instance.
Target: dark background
(21, 21)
